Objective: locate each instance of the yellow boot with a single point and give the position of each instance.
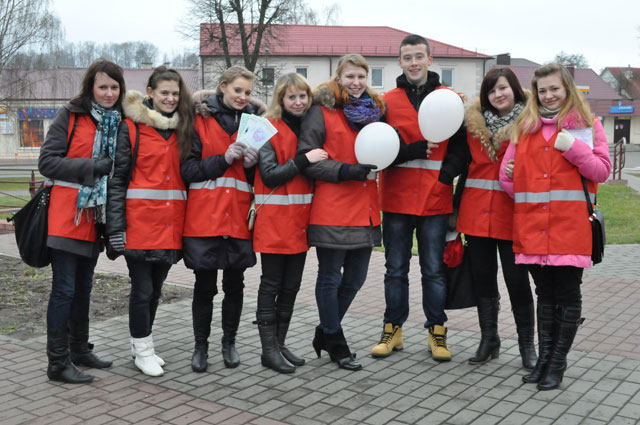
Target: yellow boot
(390, 341)
(438, 343)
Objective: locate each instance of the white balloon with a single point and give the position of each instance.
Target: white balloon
(377, 144)
(440, 115)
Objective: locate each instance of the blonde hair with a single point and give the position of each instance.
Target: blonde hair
(231, 74)
(288, 80)
(529, 120)
(350, 59)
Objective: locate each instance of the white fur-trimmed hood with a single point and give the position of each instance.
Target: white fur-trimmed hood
(134, 108)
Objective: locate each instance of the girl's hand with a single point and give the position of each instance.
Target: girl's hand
(316, 155)
(508, 168)
(430, 146)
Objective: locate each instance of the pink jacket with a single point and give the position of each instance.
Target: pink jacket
(593, 164)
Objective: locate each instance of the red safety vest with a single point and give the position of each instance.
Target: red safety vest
(64, 195)
(156, 196)
(550, 209)
(218, 207)
(283, 215)
(413, 187)
(348, 203)
(485, 209)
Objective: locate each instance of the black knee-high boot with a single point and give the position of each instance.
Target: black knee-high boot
(202, 314)
(271, 356)
(524, 318)
(546, 328)
(567, 320)
(231, 312)
(489, 347)
(284, 314)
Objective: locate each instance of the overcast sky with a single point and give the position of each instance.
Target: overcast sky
(606, 32)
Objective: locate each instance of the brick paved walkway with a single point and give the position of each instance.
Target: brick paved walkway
(601, 386)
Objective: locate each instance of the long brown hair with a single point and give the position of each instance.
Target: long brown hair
(83, 99)
(529, 120)
(185, 129)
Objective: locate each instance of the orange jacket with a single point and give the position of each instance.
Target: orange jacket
(348, 203)
(550, 210)
(283, 216)
(64, 195)
(485, 209)
(413, 187)
(218, 207)
(156, 196)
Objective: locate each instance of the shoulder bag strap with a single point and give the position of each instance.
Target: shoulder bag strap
(586, 194)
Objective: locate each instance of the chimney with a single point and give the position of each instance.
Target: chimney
(503, 59)
(147, 65)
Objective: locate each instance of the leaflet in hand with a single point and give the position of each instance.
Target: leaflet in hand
(254, 131)
(584, 134)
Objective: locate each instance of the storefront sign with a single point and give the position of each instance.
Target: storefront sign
(621, 109)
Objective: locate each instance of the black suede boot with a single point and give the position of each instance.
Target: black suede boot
(202, 315)
(489, 347)
(339, 351)
(319, 342)
(567, 320)
(271, 356)
(60, 367)
(524, 318)
(284, 318)
(81, 349)
(231, 312)
(546, 328)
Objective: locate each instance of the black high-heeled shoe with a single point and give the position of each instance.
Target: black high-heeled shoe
(319, 342)
(339, 352)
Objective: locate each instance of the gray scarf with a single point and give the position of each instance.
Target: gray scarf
(495, 122)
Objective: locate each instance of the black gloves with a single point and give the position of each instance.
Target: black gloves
(117, 241)
(102, 166)
(418, 150)
(357, 172)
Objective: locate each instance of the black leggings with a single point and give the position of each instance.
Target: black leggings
(557, 285)
(484, 267)
(206, 286)
(279, 284)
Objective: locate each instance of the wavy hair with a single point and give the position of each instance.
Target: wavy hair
(185, 130)
(529, 120)
(291, 79)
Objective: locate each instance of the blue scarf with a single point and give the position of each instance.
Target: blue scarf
(95, 197)
(361, 111)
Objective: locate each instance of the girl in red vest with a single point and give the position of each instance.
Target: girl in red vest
(345, 214)
(556, 142)
(147, 199)
(77, 155)
(283, 198)
(219, 172)
(486, 214)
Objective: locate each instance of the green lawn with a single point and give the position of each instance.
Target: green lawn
(620, 205)
(14, 183)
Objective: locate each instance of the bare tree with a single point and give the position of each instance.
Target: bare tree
(247, 24)
(25, 23)
(576, 60)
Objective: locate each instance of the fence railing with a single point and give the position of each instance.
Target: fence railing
(617, 154)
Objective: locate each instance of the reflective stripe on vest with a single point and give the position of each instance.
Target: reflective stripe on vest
(554, 195)
(221, 182)
(483, 184)
(423, 164)
(289, 199)
(157, 194)
(67, 184)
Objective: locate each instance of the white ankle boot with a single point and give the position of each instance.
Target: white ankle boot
(144, 357)
(157, 357)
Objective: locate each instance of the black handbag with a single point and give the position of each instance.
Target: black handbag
(30, 224)
(599, 238)
(460, 290)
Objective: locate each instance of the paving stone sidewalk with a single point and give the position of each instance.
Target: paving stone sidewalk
(601, 385)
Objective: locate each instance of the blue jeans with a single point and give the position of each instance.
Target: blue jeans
(146, 288)
(341, 274)
(70, 290)
(397, 234)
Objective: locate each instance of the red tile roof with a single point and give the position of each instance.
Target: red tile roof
(600, 95)
(630, 85)
(316, 40)
(64, 83)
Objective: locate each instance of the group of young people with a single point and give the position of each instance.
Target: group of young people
(163, 178)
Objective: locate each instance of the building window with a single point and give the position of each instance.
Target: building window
(31, 133)
(376, 77)
(447, 77)
(302, 70)
(268, 76)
